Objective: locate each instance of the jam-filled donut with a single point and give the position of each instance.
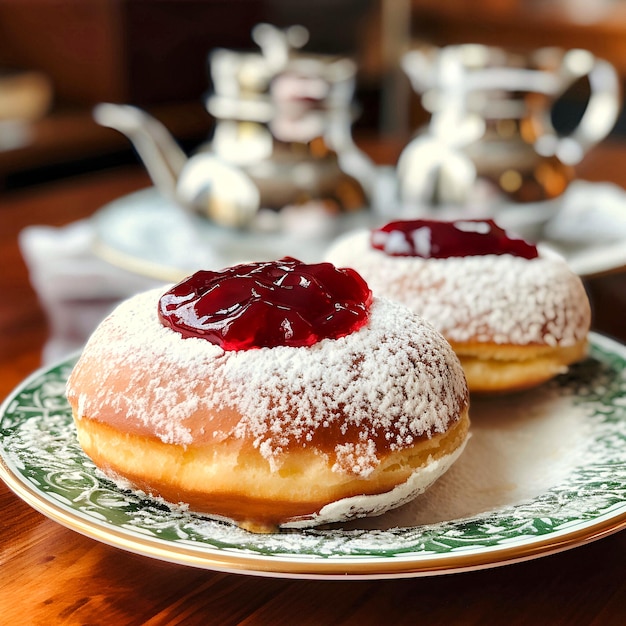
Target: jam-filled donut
(514, 315)
(270, 394)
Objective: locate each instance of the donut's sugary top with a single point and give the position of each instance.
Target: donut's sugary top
(437, 239)
(354, 398)
(267, 304)
(500, 299)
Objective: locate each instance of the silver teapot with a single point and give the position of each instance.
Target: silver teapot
(281, 145)
(491, 137)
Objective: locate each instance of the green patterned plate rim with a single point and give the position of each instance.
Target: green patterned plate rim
(41, 461)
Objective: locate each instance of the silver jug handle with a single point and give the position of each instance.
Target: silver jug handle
(600, 114)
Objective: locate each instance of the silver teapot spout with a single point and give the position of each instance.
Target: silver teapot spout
(201, 184)
(160, 153)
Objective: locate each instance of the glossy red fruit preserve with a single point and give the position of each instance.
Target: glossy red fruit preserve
(267, 304)
(432, 239)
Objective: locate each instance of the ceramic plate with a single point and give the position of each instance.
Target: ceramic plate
(148, 235)
(544, 471)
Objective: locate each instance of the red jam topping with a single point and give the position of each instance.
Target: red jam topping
(431, 239)
(267, 304)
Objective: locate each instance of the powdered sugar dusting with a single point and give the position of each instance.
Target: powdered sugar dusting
(361, 456)
(501, 299)
(392, 381)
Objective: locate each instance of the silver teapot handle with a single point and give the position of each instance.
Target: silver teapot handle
(600, 113)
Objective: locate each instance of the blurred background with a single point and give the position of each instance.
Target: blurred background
(60, 57)
(58, 167)
(68, 55)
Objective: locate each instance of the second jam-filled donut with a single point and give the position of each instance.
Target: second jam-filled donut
(516, 316)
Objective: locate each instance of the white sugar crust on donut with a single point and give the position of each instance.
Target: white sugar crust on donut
(346, 406)
(504, 311)
(373, 504)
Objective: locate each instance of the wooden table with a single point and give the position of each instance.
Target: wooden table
(52, 575)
